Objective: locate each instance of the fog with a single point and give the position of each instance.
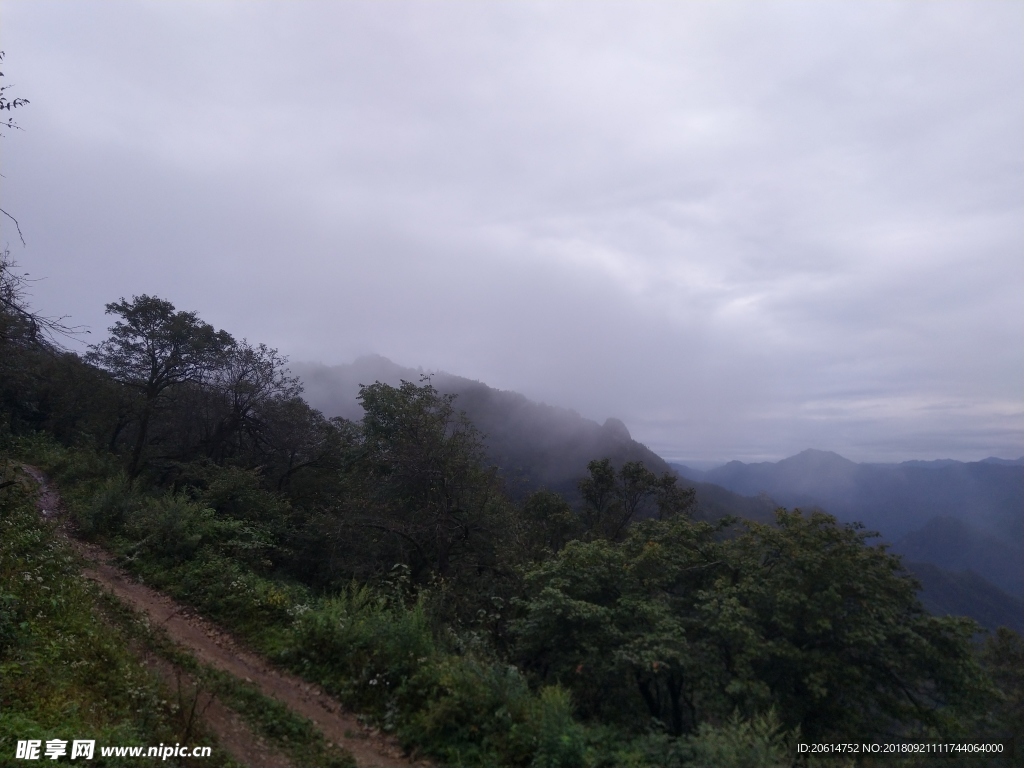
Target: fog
(744, 229)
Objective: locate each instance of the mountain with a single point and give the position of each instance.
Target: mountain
(909, 504)
(957, 546)
(1004, 462)
(533, 444)
(697, 475)
(965, 593)
(895, 498)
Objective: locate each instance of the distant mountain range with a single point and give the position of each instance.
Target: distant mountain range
(893, 498)
(961, 515)
(959, 526)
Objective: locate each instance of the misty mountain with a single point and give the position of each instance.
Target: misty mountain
(957, 546)
(957, 515)
(965, 593)
(534, 445)
(940, 463)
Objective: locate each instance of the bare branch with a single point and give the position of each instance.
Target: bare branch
(19, 325)
(16, 225)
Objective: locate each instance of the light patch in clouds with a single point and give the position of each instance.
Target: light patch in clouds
(743, 228)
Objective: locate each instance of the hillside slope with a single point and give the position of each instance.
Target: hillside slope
(967, 570)
(965, 593)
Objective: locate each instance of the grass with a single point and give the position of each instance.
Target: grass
(64, 672)
(294, 735)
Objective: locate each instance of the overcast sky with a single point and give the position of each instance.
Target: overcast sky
(745, 229)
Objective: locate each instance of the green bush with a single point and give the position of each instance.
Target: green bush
(107, 507)
(236, 493)
(68, 466)
(362, 646)
(466, 709)
(758, 743)
(477, 712)
(469, 713)
(557, 739)
(171, 529)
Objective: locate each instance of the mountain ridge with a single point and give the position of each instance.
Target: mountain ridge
(903, 502)
(536, 444)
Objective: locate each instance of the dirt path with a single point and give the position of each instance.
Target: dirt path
(233, 734)
(215, 647)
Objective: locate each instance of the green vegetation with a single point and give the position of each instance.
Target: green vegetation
(292, 734)
(384, 561)
(65, 672)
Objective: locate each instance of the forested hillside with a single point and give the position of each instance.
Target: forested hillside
(387, 560)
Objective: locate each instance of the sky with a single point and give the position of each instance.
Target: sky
(745, 229)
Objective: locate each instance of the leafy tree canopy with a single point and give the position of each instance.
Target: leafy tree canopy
(804, 617)
(613, 499)
(153, 347)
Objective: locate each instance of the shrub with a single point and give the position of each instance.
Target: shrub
(236, 493)
(362, 646)
(470, 712)
(173, 528)
(64, 465)
(558, 740)
(757, 743)
(108, 507)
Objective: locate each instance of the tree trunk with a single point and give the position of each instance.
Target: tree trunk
(140, 441)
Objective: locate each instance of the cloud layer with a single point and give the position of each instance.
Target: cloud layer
(745, 229)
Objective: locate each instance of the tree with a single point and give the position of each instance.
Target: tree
(420, 484)
(9, 105)
(32, 358)
(248, 378)
(612, 500)
(688, 625)
(293, 437)
(20, 326)
(812, 620)
(1003, 658)
(618, 623)
(548, 523)
(153, 348)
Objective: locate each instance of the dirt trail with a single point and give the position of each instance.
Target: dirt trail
(233, 734)
(215, 647)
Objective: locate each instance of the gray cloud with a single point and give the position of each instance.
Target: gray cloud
(743, 228)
